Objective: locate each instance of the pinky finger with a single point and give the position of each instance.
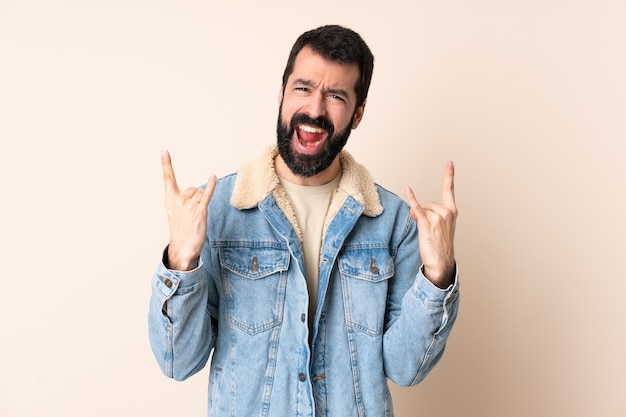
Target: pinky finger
(208, 191)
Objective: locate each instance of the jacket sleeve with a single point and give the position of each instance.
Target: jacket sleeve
(419, 316)
(180, 328)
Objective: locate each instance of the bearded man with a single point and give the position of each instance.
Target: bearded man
(307, 281)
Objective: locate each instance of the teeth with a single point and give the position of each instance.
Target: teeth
(311, 129)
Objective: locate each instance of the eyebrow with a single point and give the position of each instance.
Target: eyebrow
(309, 83)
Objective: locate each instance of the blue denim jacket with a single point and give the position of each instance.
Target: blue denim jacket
(377, 316)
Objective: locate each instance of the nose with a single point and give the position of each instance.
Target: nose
(316, 106)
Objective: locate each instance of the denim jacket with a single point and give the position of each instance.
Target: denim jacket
(377, 315)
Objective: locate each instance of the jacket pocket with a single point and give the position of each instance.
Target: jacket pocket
(255, 278)
(364, 278)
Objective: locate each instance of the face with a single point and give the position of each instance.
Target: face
(317, 113)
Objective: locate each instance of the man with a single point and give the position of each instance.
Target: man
(299, 273)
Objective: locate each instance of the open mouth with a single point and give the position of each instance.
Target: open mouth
(309, 138)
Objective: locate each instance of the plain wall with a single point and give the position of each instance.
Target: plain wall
(527, 97)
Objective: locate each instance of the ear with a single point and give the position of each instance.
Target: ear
(358, 115)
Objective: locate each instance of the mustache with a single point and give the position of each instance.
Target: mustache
(321, 122)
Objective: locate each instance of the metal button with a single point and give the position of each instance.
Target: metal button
(303, 317)
(302, 377)
(255, 265)
(168, 283)
(373, 268)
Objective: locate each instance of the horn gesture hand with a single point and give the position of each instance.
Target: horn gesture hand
(435, 224)
(187, 218)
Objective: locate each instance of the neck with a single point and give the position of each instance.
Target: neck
(321, 178)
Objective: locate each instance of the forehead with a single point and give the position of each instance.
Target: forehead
(311, 66)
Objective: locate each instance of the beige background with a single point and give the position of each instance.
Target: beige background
(527, 97)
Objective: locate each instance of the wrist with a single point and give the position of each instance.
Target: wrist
(175, 260)
(440, 277)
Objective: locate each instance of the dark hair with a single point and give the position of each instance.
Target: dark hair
(338, 44)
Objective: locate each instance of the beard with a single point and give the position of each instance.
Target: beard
(310, 165)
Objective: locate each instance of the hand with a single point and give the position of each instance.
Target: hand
(187, 217)
(436, 223)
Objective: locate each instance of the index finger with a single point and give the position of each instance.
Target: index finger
(168, 172)
(417, 212)
(448, 186)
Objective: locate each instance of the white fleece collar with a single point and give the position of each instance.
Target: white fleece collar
(257, 178)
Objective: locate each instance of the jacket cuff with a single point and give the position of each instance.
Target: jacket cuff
(167, 281)
(431, 294)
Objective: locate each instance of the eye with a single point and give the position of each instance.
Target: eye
(337, 97)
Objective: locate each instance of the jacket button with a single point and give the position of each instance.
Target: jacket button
(255, 265)
(168, 283)
(303, 317)
(302, 377)
(373, 268)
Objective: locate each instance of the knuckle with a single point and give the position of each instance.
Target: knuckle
(189, 192)
(449, 214)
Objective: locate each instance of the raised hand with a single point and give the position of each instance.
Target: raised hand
(436, 223)
(187, 218)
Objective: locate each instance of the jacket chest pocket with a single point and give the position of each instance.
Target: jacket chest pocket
(365, 276)
(255, 279)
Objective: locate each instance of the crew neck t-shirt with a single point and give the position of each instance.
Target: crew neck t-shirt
(310, 205)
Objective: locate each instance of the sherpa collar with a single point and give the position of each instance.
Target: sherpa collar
(257, 178)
